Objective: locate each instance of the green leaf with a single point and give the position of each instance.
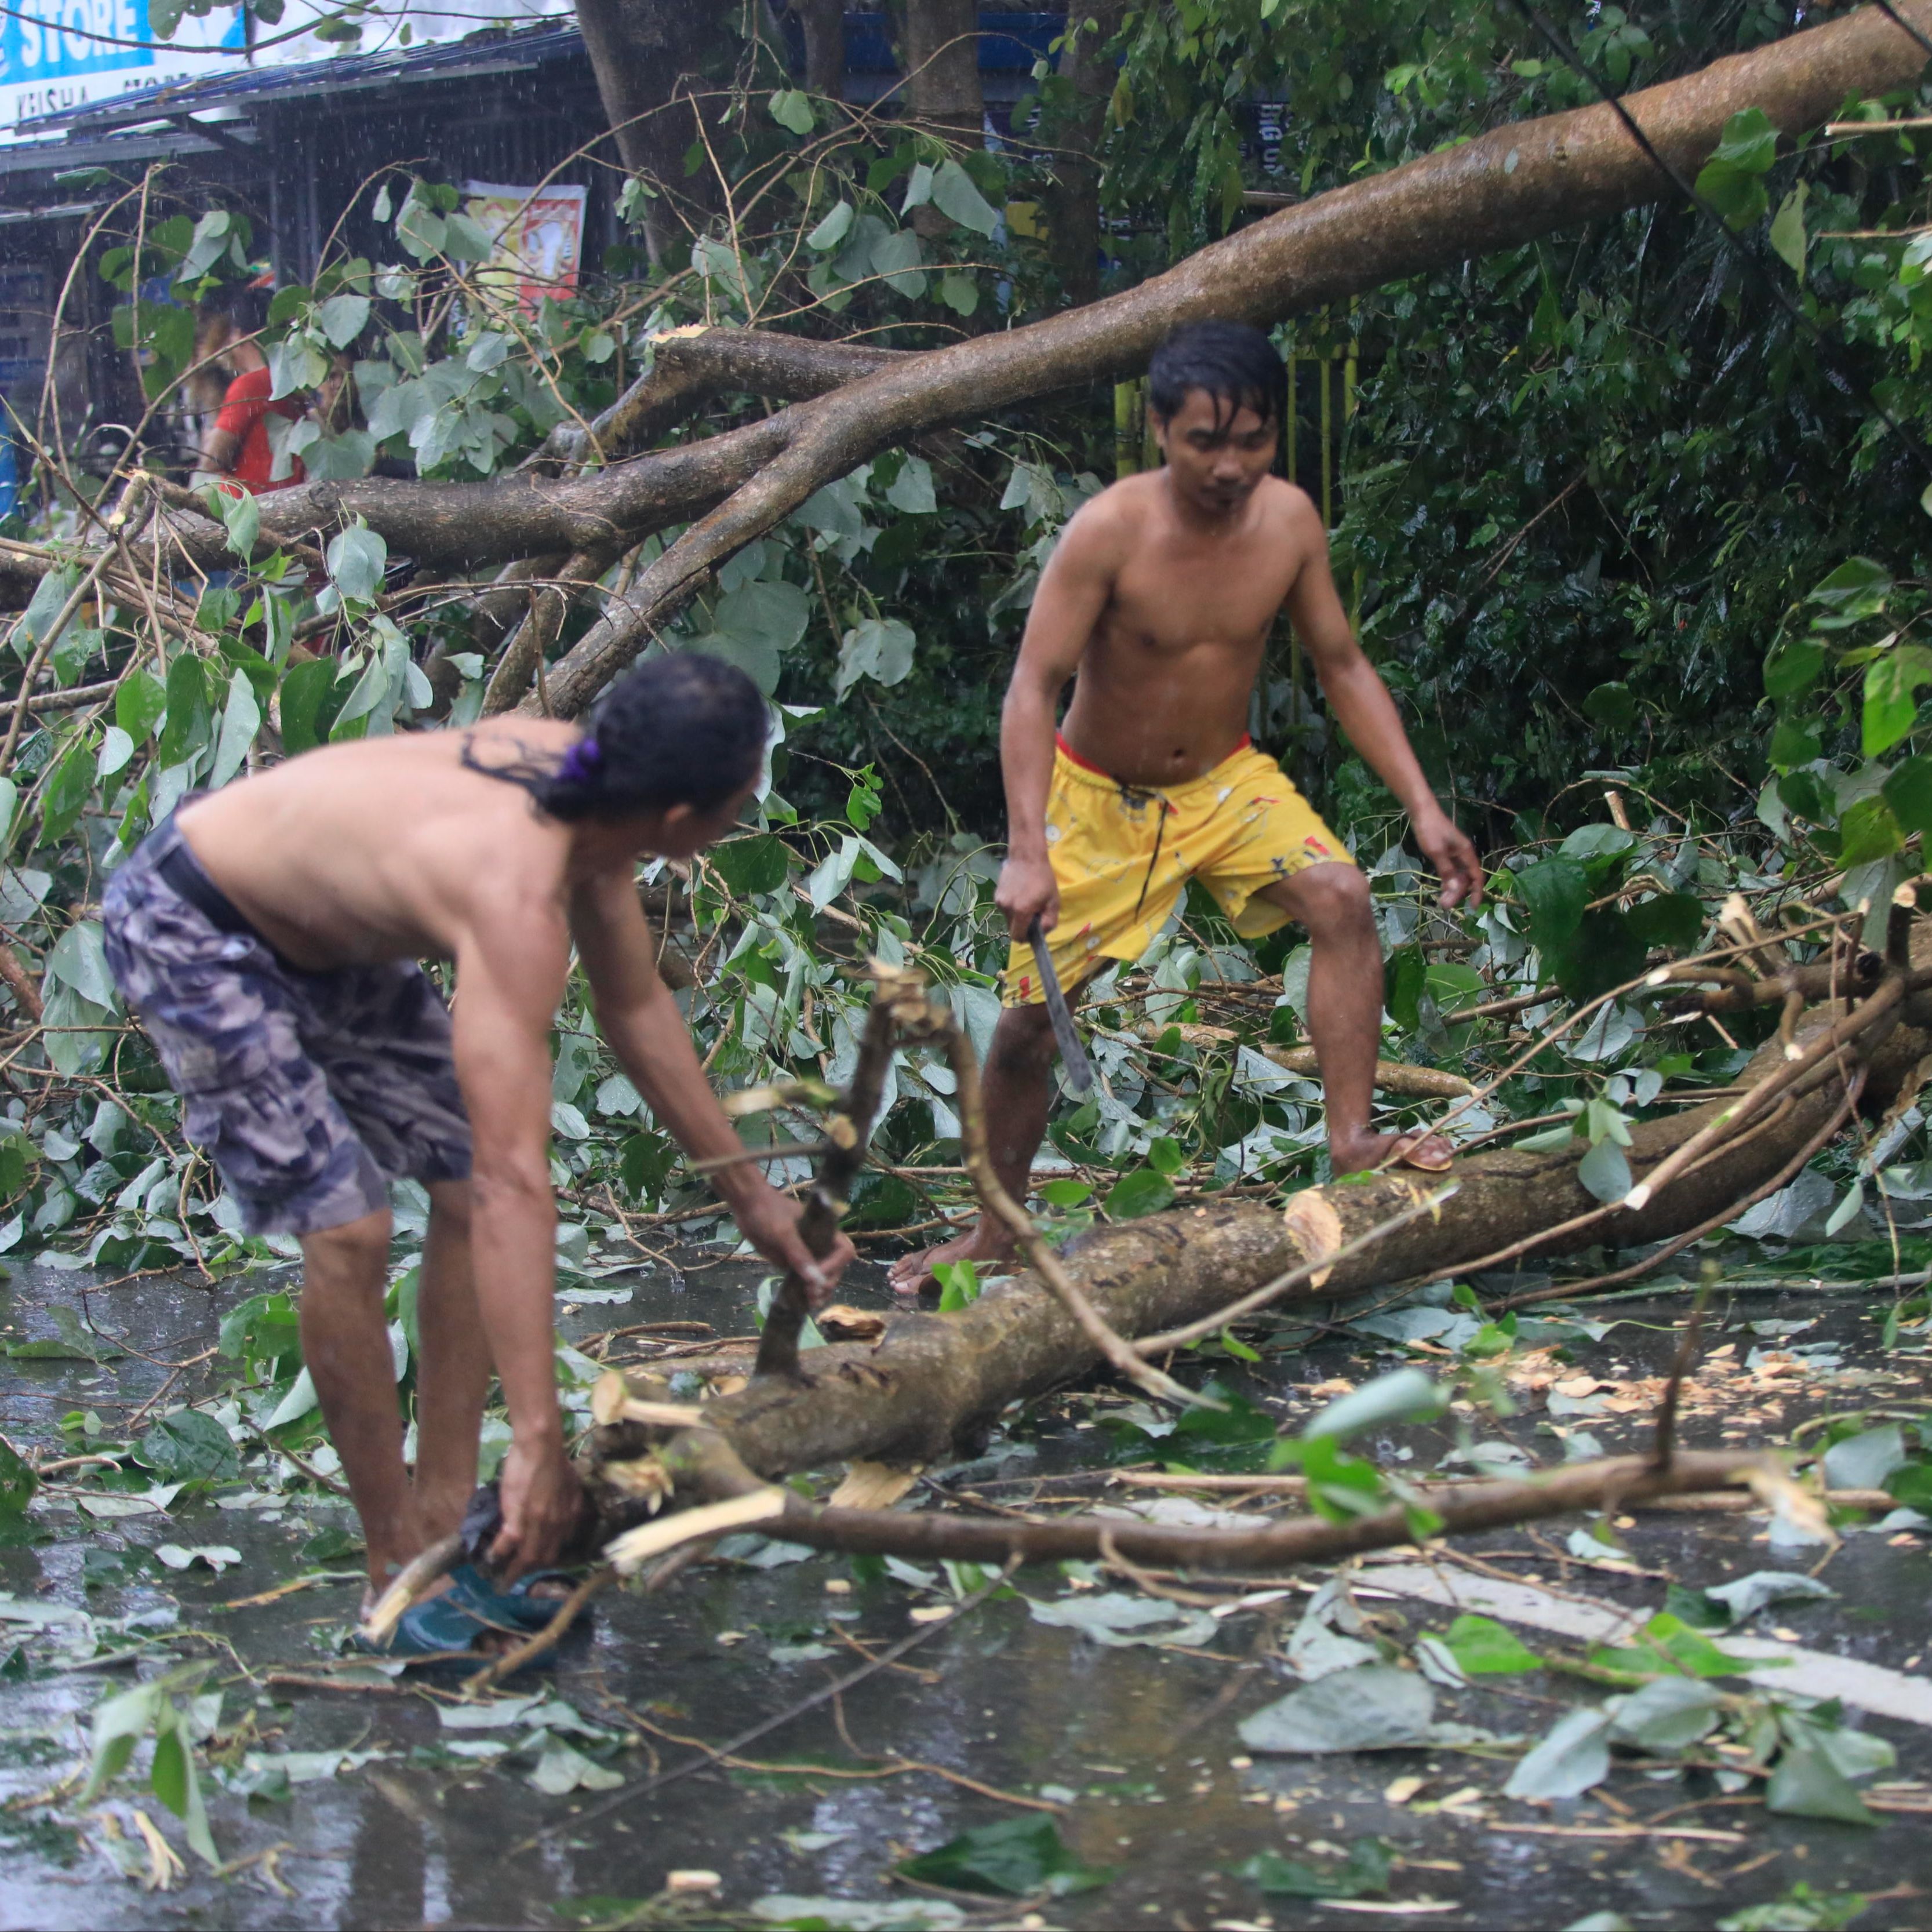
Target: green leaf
(18, 1482)
(750, 867)
(1908, 790)
(1807, 1784)
(1165, 1156)
(1672, 920)
(1143, 1192)
(186, 712)
(308, 704)
(190, 1447)
(958, 1284)
(911, 490)
(1892, 680)
(1793, 744)
(119, 1723)
(264, 1328)
(1604, 952)
(342, 318)
(642, 1162)
(1612, 706)
(1605, 1171)
(1792, 668)
(356, 557)
(68, 788)
(1750, 141)
(1572, 1756)
(1404, 1395)
(1064, 1193)
(960, 293)
(792, 110)
(1857, 588)
(79, 960)
(1013, 1859)
(954, 195)
(139, 704)
(241, 518)
(833, 228)
(1483, 1647)
(879, 648)
(1869, 832)
(1787, 229)
(1405, 980)
(241, 719)
(1556, 892)
(1367, 1869)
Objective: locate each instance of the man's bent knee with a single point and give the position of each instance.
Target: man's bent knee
(1331, 901)
(360, 1247)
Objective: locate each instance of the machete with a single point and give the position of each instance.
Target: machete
(1079, 1068)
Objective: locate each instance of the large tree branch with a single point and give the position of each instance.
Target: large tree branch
(1502, 190)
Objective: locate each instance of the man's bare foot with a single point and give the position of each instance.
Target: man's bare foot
(912, 1274)
(1427, 1152)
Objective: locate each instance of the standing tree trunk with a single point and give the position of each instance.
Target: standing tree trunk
(942, 60)
(1087, 72)
(649, 57)
(824, 24)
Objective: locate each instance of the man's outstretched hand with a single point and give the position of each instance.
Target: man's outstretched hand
(1446, 849)
(769, 1221)
(541, 1499)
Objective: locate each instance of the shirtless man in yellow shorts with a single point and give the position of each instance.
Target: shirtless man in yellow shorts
(1160, 596)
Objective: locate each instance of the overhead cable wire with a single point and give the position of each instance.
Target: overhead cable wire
(1846, 379)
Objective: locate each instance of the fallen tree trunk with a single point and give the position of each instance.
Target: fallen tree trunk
(1504, 188)
(932, 1387)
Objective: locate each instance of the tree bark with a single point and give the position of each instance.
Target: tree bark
(942, 58)
(649, 57)
(1088, 74)
(824, 24)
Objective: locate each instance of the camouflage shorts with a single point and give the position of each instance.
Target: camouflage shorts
(307, 1091)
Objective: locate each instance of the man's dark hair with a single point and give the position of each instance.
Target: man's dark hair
(683, 729)
(1234, 363)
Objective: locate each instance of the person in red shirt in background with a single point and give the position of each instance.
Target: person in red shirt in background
(237, 450)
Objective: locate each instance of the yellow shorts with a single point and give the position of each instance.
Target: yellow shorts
(1123, 856)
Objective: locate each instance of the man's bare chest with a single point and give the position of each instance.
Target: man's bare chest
(1173, 602)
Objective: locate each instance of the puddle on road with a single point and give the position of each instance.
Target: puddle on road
(1138, 1745)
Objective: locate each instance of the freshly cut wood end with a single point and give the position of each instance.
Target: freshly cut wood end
(608, 1395)
(873, 1485)
(1317, 1230)
(636, 1547)
(611, 1402)
(643, 1476)
(842, 1322)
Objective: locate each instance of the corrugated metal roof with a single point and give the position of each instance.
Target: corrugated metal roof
(477, 54)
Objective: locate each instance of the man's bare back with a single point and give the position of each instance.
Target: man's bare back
(1164, 680)
(391, 848)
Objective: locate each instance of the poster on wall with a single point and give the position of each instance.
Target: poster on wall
(57, 55)
(538, 239)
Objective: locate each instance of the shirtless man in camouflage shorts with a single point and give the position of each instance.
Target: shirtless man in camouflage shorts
(268, 935)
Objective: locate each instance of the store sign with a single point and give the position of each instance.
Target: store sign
(59, 54)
